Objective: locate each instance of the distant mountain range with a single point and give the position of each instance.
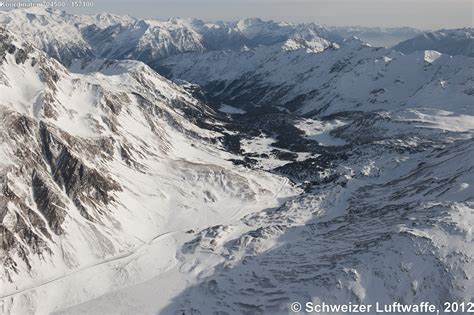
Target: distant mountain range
(451, 42)
(353, 75)
(121, 37)
(377, 36)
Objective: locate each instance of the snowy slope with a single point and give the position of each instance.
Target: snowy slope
(452, 42)
(50, 30)
(145, 40)
(151, 40)
(96, 165)
(382, 237)
(123, 37)
(386, 216)
(354, 76)
(377, 36)
(325, 172)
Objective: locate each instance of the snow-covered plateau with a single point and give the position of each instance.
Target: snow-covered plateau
(189, 167)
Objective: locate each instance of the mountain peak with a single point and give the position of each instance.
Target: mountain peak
(249, 21)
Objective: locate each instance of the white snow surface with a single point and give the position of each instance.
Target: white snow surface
(451, 42)
(353, 76)
(186, 231)
(231, 109)
(178, 183)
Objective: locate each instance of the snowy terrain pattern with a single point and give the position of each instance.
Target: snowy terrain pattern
(187, 167)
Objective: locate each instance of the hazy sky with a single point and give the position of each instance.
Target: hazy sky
(424, 14)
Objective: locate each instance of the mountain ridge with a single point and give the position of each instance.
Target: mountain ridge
(452, 42)
(79, 36)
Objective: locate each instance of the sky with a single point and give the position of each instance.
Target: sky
(422, 14)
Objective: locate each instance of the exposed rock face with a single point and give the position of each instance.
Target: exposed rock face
(82, 184)
(56, 177)
(49, 171)
(49, 204)
(96, 161)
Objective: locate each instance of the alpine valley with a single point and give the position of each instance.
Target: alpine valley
(190, 167)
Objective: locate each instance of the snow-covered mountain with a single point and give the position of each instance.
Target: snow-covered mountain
(144, 40)
(123, 37)
(377, 36)
(50, 30)
(452, 42)
(116, 37)
(98, 163)
(280, 164)
(386, 212)
(354, 75)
